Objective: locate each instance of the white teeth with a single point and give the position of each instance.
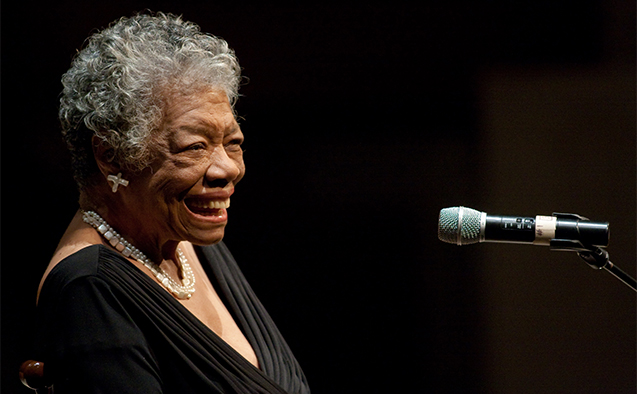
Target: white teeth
(210, 204)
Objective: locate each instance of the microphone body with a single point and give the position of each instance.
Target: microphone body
(464, 226)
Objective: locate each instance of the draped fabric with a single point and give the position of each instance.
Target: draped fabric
(109, 328)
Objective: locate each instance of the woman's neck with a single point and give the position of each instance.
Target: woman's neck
(141, 233)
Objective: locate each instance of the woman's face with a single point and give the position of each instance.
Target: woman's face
(198, 160)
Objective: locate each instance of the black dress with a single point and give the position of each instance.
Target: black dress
(109, 328)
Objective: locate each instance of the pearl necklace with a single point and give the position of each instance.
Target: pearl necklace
(182, 291)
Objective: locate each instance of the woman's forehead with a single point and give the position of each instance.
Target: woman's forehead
(210, 109)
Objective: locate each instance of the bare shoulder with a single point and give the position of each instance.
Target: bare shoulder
(77, 236)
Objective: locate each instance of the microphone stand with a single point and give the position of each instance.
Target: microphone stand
(595, 257)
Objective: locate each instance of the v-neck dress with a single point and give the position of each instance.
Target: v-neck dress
(106, 327)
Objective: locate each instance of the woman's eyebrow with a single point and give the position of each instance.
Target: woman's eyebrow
(204, 128)
(233, 129)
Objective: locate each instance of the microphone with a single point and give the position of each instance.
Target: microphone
(464, 226)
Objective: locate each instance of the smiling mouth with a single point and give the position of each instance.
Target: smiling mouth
(206, 207)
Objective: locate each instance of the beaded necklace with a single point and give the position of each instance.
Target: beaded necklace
(182, 291)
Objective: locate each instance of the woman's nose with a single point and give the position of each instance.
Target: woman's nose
(222, 168)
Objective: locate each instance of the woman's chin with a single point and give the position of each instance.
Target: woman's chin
(203, 238)
(206, 235)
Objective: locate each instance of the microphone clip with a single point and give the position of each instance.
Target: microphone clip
(595, 257)
(572, 216)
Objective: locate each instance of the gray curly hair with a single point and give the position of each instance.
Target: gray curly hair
(118, 85)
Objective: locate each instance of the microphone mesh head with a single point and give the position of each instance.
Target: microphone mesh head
(448, 225)
(459, 225)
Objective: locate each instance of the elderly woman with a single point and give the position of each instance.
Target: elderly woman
(141, 295)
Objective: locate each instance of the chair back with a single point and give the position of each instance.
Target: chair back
(32, 375)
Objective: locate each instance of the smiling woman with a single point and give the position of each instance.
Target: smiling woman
(196, 163)
(141, 295)
(201, 139)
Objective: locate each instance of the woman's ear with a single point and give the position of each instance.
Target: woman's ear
(104, 157)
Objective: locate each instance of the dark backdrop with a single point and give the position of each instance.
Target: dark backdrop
(362, 121)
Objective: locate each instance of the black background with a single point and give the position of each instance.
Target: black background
(362, 121)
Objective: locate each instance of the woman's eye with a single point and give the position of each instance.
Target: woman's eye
(196, 147)
(234, 144)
